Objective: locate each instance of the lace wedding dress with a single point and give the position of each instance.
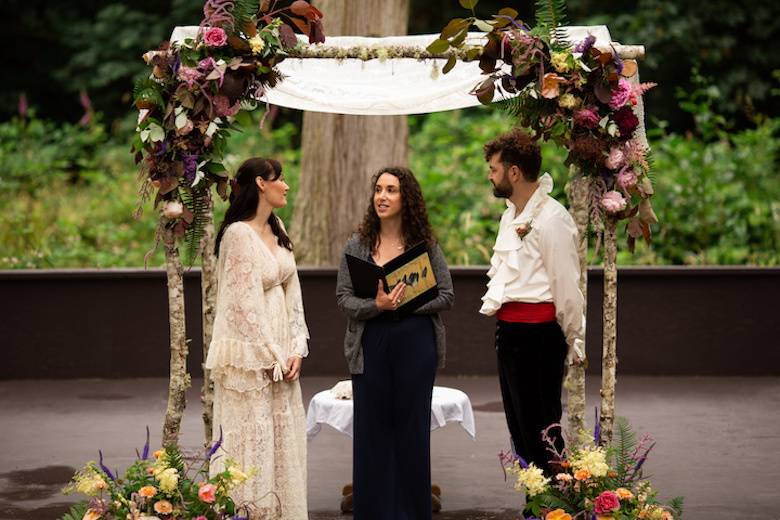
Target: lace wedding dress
(259, 324)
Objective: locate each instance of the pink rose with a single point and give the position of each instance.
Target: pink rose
(620, 95)
(207, 493)
(605, 503)
(173, 209)
(613, 202)
(616, 159)
(201, 517)
(215, 37)
(627, 179)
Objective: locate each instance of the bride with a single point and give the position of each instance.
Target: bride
(260, 337)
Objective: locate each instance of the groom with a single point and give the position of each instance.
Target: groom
(534, 293)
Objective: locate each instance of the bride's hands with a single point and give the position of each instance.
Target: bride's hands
(389, 302)
(293, 368)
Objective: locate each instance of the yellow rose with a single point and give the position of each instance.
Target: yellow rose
(557, 514)
(560, 61)
(257, 44)
(568, 101)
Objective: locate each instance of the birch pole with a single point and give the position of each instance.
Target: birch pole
(609, 355)
(208, 287)
(578, 192)
(179, 380)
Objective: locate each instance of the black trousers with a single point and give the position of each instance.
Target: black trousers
(531, 360)
(392, 420)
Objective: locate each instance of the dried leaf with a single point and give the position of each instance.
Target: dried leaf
(486, 91)
(603, 92)
(265, 5)
(508, 11)
(473, 53)
(468, 4)
(454, 27)
(187, 215)
(646, 212)
(317, 33)
(239, 44)
(482, 25)
(634, 228)
(168, 184)
(287, 36)
(629, 68)
(646, 232)
(222, 189)
(250, 29)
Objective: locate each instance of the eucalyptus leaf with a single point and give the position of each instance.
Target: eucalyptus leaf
(468, 4)
(438, 46)
(482, 25)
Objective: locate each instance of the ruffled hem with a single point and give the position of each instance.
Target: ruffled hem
(228, 355)
(505, 266)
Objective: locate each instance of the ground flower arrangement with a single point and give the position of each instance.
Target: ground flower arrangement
(593, 482)
(158, 487)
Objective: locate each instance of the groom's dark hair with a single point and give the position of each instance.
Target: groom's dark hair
(519, 149)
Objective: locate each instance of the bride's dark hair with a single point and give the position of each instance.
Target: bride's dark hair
(245, 194)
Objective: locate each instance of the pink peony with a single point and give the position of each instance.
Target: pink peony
(587, 117)
(606, 503)
(621, 94)
(189, 75)
(173, 209)
(616, 159)
(613, 202)
(207, 493)
(215, 37)
(627, 179)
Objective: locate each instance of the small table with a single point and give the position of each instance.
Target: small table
(447, 405)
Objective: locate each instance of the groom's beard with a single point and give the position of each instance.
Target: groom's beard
(503, 190)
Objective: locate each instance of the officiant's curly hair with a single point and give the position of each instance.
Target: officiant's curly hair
(519, 149)
(245, 195)
(414, 216)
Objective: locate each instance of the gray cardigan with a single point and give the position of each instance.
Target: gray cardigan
(358, 310)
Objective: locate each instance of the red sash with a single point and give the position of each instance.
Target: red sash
(521, 312)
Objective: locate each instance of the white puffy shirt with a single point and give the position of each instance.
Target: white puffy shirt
(542, 266)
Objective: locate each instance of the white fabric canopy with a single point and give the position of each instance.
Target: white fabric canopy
(376, 87)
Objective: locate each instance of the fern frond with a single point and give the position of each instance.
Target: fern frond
(175, 459)
(244, 12)
(677, 506)
(197, 201)
(147, 89)
(76, 512)
(551, 14)
(624, 446)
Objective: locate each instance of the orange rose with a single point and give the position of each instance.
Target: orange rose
(551, 85)
(163, 507)
(624, 494)
(158, 453)
(582, 474)
(147, 491)
(557, 514)
(612, 474)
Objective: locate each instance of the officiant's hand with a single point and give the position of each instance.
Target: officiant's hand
(293, 368)
(389, 302)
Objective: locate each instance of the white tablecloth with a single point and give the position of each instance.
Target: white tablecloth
(447, 405)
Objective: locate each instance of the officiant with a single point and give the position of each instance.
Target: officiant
(393, 355)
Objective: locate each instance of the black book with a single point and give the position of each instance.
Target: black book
(413, 267)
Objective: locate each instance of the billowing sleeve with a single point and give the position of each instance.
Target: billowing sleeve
(446, 297)
(241, 344)
(558, 245)
(299, 332)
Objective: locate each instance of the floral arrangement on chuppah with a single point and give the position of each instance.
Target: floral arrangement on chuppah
(196, 88)
(158, 487)
(593, 481)
(571, 93)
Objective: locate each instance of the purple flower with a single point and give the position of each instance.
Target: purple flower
(190, 75)
(145, 453)
(620, 95)
(585, 45)
(206, 65)
(523, 463)
(587, 117)
(104, 468)
(190, 167)
(597, 427)
(216, 445)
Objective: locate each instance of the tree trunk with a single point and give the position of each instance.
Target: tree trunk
(208, 284)
(179, 380)
(579, 197)
(609, 355)
(340, 152)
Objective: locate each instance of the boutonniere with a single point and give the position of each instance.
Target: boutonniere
(523, 229)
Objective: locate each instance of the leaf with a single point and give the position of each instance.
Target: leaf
(473, 53)
(486, 91)
(300, 7)
(451, 61)
(438, 46)
(508, 11)
(287, 36)
(454, 27)
(302, 25)
(629, 68)
(646, 212)
(482, 25)
(468, 4)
